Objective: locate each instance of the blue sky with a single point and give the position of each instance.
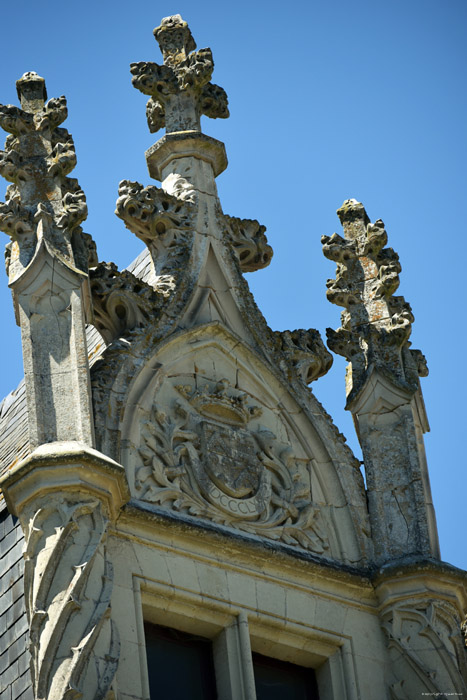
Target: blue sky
(328, 101)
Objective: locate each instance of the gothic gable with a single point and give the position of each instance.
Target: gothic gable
(206, 429)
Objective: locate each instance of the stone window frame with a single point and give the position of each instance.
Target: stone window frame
(235, 632)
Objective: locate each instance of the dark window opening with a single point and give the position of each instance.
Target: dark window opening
(180, 665)
(276, 680)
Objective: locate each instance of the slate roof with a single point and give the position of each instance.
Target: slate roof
(15, 679)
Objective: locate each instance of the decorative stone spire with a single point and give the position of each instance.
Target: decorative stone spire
(382, 381)
(187, 162)
(180, 89)
(180, 93)
(64, 492)
(47, 262)
(42, 204)
(182, 221)
(376, 325)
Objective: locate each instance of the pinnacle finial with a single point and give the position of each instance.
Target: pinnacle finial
(180, 91)
(41, 201)
(376, 325)
(32, 92)
(174, 38)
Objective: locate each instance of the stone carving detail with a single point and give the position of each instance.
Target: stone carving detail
(304, 352)
(47, 263)
(464, 630)
(42, 202)
(426, 649)
(249, 242)
(383, 388)
(202, 459)
(68, 583)
(121, 301)
(375, 325)
(180, 91)
(163, 221)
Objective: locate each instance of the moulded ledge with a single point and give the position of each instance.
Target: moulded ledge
(182, 144)
(65, 467)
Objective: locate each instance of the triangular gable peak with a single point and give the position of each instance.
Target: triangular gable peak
(207, 408)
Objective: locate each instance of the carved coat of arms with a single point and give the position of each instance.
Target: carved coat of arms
(204, 459)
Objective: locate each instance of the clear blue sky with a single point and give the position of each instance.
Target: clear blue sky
(328, 100)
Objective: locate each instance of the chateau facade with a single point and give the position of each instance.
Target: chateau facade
(180, 516)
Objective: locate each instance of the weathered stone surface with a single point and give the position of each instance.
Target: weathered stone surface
(304, 351)
(249, 243)
(249, 521)
(376, 325)
(180, 89)
(65, 496)
(64, 493)
(69, 599)
(163, 221)
(47, 263)
(423, 635)
(42, 203)
(203, 437)
(383, 389)
(121, 301)
(200, 456)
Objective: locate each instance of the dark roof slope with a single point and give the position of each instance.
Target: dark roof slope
(15, 679)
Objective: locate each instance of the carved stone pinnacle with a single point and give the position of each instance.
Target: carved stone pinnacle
(47, 262)
(180, 91)
(376, 325)
(42, 203)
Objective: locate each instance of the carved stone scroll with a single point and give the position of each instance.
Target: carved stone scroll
(200, 457)
(180, 91)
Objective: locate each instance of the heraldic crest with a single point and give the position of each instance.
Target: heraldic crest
(211, 457)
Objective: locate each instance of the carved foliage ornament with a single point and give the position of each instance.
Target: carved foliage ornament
(121, 301)
(163, 221)
(180, 89)
(74, 644)
(305, 352)
(249, 242)
(37, 158)
(375, 324)
(203, 459)
(425, 645)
